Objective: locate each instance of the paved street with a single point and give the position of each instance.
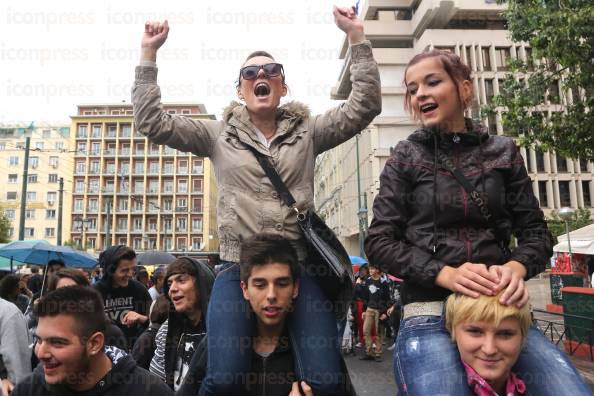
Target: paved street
(377, 379)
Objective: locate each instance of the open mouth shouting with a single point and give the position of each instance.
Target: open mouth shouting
(262, 89)
(272, 311)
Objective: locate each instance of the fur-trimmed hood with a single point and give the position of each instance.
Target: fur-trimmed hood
(292, 109)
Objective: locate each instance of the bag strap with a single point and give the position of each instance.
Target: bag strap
(275, 179)
(474, 195)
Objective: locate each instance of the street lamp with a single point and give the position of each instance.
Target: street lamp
(566, 214)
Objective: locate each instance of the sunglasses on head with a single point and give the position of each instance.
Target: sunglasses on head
(270, 70)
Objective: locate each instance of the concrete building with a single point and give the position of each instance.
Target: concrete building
(137, 193)
(399, 29)
(49, 160)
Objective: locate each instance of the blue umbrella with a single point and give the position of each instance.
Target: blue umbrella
(40, 253)
(357, 260)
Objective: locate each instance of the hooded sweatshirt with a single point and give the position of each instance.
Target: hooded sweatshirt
(118, 301)
(14, 342)
(178, 339)
(125, 378)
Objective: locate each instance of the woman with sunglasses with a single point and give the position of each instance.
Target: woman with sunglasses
(248, 203)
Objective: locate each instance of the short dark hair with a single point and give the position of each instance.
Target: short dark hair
(34, 269)
(123, 253)
(71, 273)
(262, 249)
(258, 53)
(8, 285)
(160, 310)
(83, 303)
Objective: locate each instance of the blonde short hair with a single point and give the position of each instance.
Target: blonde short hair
(461, 308)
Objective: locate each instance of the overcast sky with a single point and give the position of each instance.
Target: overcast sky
(57, 54)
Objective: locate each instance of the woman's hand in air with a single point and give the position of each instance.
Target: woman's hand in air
(469, 279)
(347, 20)
(511, 276)
(155, 34)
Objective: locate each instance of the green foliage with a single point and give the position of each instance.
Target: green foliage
(4, 227)
(581, 218)
(562, 32)
(75, 245)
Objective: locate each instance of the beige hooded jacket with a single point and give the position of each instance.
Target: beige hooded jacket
(247, 202)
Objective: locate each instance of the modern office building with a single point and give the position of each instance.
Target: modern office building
(49, 160)
(399, 29)
(129, 191)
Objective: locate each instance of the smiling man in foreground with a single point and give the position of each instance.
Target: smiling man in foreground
(74, 358)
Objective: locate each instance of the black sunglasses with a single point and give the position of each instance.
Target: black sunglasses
(270, 70)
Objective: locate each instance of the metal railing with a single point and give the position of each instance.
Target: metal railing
(558, 331)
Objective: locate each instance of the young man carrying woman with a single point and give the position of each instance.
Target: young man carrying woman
(248, 203)
(430, 229)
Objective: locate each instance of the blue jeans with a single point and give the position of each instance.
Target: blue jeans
(427, 362)
(230, 327)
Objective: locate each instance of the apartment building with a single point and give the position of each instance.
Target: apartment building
(137, 193)
(49, 160)
(399, 29)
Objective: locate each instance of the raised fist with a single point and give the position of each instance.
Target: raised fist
(155, 34)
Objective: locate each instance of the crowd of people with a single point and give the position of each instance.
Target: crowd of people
(451, 198)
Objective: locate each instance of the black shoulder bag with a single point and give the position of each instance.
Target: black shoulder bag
(327, 260)
(479, 201)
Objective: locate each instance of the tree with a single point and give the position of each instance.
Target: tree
(561, 34)
(581, 218)
(4, 227)
(76, 246)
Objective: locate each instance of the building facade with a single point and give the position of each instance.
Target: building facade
(129, 191)
(399, 29)
(49, 160)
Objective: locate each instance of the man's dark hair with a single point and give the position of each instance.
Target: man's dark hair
(124, 253)
(34, 269)
(71, 273)
(258, 53)
(263, 249)
(83, 303)
(8, 285)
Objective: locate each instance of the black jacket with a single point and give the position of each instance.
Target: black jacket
(124, 379)
(144, 347)
(424, 220)
(374, 297)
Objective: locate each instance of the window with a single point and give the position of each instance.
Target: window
(139, 149)
(93, 205)
(489, 92)
(137, 243)
(153, 186)
(53, 162)
(542, 194)
(29, 232)
(11, 195)
(197, 205)
(196, 224)
(196, 243)
(33, 162)
(82, 131)
(529, 58)
(81, 148)
(126, 131)
(554, 97)
(91, 242)
(139, 167)
(501, 57)
(38, 145)
(31, 196)
(122, 224)
(168, 186)
(51, 197)
(78, 205)
(167, 204)
(181, 243)
(32, 178)
(492, 119)
(197, 185)
(168, 168)
(583, 166)
(94, 167)
(11, 232)
(2, 146)
(13, 178)
(137, 224)
(168, 243)
(139, 186)
(50, 232)
(50, 214)
(182, 186)
(29, 213)
(587, 196)
(182, 167)
(167, 224)
(540, 162)
(9, 213)
(13, 161)
(197, 167)
(59, 145)
(564, 195)
(96, 131)
(561, 164)
(154, 167)
(182, 203)
(80, 186)
(123, 204)
(137, 205)
(110, 168)
(152, 225)
(52, 178)
(95, 148)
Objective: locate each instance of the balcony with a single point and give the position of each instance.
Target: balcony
(181, 209)
(139, 153)
(125, 152)
(196, 210)
(182, 171)
(153, 153)
(109, 153)
(152, 190)
(181, 229)
(198, 170)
